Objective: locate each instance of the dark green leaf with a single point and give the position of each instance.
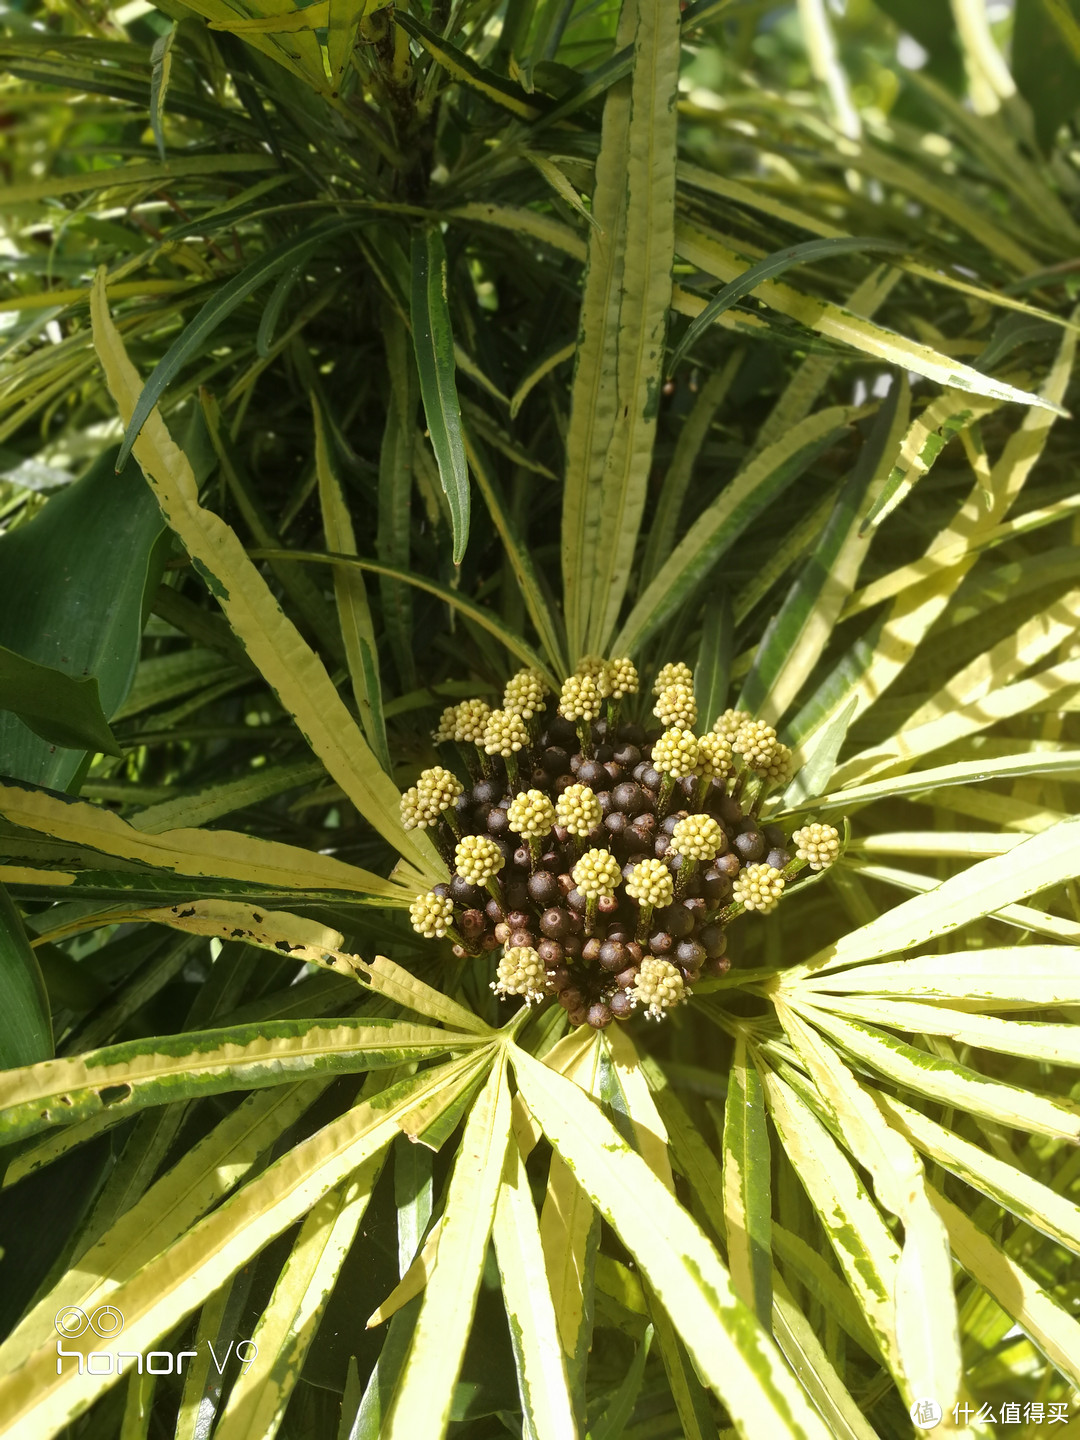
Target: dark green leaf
(59, 708)
(25, 1027)
(768, 269)
(433, 342)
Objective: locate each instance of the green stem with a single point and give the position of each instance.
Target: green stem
(512, 769)
(590, 916)
(645, 914)
(584, 730)
(685, 873)
(536, 849)
(663, 800)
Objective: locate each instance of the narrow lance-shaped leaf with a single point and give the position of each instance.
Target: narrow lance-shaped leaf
(775, 264)
(730, 1349)
(192, 339)
(433, 343)
(747, 1186)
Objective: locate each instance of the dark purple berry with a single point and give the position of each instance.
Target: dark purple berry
(551, 953)
(576, 900)
(630, 798)
(677, 920)
(493, 910)
(613, 955)
(472, 924)
(554, 923)
(720, 965)
(615, 772)
(572, 945)
(661, 846)
(621, 1005)
(555, 760)
(543, 888)
(590, 951)
(716, 888)
(462, 893)
(616, 823)
(592, 773)
(599, 1015)
(628, 756)
(750, 846)
(559, 978)
(523, 939)
(660, 942)
(442, 889)
(651, 778)
(522, 858)
(517, 897)
(690, 954)
(486, 792)
(714, 938)
(729, 865)
(777, 858)
(603, 799)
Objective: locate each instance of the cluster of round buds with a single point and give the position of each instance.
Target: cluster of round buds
(524, 693)
(470, 722)
(676, 707)
(669, 823)
(505, 733)
(521, 972)
(531, 813)
(675, 753)
(618, 679)
(580, 698)
(698, 837)
(477, 859)
(659, 987)
(596, 874)
(715, 760)
(730, 723)
(758, 887)
(817, 844)
(674, 673)
(756, 742)
(650, 884)
(447, 725)
(432, 915)
(578, 811)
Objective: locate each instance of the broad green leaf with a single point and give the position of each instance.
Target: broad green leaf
(728, 1347)
(1050, 1327)
(712, 673)
(161, 58)
(837, 323)
(286, 1328)
(865, 1248)
(61, 609)
(419, 1272)
(193, 852)
(636, 1100)
(692, 1403)
(619, 367)
(54, 705)
(775, 264)
(521, 221)
(26, 1034)
(425, 1389)
(37, 1401)
(412, 1197)
(534, 1333)
(1024, 1196)
(394, 532)
(748, 1186)
(354, 615)
(211, 1062)
(273, 642)
(756, 486)
(949, 1082)
(927, 1327)
(991, 979)
(1038, 864)
(433, 345)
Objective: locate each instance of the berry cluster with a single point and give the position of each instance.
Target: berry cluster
(607, 860)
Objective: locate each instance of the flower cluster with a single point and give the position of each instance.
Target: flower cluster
(607, 860)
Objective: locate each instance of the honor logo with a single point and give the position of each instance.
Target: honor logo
(107, 1322)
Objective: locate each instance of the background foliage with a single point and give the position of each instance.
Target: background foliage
(400, 300)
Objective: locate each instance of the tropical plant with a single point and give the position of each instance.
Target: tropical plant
(348, 397)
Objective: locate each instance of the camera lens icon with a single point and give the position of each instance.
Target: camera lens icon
(71, 1322)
